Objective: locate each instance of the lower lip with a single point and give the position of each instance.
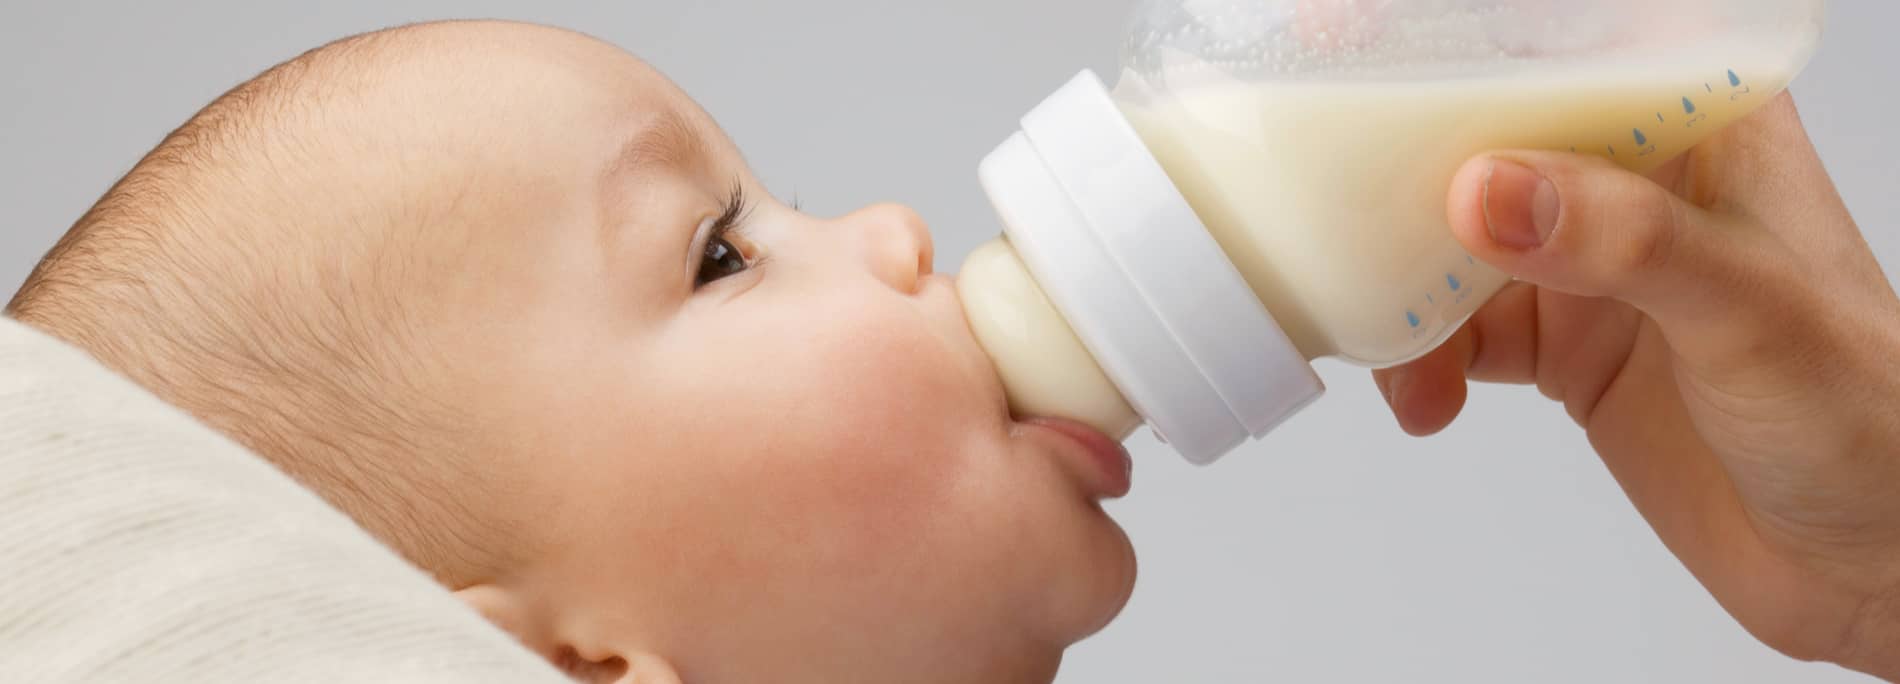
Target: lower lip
(1109, 468)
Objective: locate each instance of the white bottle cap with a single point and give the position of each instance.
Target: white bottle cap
(1131, 267)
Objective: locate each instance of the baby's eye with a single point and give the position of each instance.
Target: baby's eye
(721, 259)
(727, 253)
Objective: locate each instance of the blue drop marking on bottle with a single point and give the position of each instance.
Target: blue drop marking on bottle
(1413, 319)
(1429, 300)
(1660, 119)
(1452, 280)
(1733, 80)
(1470, 260)
(1688, 106)
(1641, 140)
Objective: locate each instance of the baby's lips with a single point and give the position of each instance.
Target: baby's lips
(1107, 466)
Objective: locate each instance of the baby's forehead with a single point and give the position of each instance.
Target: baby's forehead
(545, 85)
(552, 103)
(659, 128)
(667, 139)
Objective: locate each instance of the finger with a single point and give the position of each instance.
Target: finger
(1505, 336)
(1499, 344)
(1426, 394)
(1584, 226)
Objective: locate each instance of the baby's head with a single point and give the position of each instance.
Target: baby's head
(509, 298)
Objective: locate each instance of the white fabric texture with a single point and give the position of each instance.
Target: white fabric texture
(137, 545)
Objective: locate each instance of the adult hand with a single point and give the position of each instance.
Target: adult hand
(1730, 346)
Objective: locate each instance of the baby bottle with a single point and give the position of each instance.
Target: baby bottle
(1266, 185)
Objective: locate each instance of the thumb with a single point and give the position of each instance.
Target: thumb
(1584, 226)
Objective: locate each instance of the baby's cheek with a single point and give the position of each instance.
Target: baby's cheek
(895, 411)
(892, 404)
(892, 369)
(870, 428)
(893, 474)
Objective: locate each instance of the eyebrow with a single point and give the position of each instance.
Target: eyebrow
(666, 142)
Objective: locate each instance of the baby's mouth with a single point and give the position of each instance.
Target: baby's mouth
(1101, 463)
(1096, 459)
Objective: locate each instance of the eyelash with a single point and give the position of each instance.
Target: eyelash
(737, 206)
(724, 228)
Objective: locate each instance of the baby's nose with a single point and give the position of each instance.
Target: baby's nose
(896, 244)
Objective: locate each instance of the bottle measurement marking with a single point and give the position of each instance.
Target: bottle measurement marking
(1688, 108)
(1735, 82)
(1694, 115)
(1455, 284)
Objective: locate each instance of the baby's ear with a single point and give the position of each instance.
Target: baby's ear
(596, 665)
(582, 654)
(647, 669)
(508, 610)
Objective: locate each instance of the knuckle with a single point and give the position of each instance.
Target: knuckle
(1647, 241)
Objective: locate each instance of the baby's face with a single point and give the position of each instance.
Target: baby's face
(759, 444)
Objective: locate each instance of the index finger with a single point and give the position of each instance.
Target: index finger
(1498, 344)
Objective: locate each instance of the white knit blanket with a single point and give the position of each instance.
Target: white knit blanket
(137, 545)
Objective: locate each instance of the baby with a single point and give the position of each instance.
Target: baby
(511, 300)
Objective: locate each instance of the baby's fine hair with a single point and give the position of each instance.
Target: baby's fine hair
(238, 273)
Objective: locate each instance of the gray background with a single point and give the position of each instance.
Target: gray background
(1337, 550)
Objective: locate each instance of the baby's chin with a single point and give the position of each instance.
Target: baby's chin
(1093, 569)
(1117, 587)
